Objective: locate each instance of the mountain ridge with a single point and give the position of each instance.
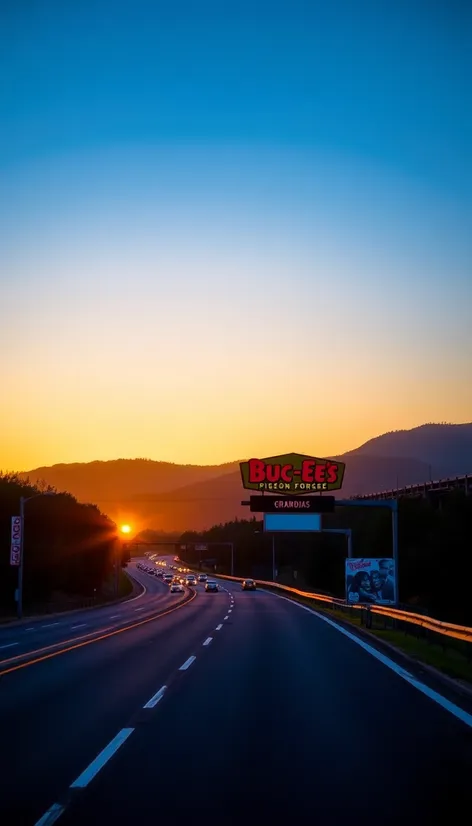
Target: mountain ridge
(169, 496)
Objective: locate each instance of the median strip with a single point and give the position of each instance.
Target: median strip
(104, 634)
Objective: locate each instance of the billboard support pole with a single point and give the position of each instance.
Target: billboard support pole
(232, 558)
(273, 557)
(395, 547)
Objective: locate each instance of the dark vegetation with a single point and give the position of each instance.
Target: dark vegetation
(69, 548)
(435, 560)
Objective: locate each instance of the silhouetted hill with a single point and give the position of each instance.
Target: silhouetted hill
(446, 448)
(170, 497)
(119, 478)
(204, 504)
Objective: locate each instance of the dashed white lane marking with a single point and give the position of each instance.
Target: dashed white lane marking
(114, 616)
(156, 698)
(140, 609)
(208, 641)
(84, 779)
(187, 663)
(9, 645)
(229, 612)
(81, 625)
(50, 624)
(29, 629)
(226, 617)
(405, 675)
(219, 627)
(51, 815)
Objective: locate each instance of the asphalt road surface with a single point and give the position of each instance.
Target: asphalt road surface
(20, 637)
(256, 709)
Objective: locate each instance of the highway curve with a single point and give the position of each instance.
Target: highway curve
(21, 637)
(259, 709)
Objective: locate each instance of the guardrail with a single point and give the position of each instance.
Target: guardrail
(399, 616)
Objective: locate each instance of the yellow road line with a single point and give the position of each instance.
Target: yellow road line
(102, 636)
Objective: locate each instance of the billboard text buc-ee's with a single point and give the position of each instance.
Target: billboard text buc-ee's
(292, 473)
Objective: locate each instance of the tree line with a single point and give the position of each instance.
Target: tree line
(70, 549)
(435, 552)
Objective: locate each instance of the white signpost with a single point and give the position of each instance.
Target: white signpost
(15, 545)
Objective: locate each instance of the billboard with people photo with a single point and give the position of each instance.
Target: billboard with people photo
(370, 581)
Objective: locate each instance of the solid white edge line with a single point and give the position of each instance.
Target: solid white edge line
(143, 592)
(219, 627)
(52, 814)
(447, 705)
(101, 759)
(187, 663)
(208, 641)
(156, 698)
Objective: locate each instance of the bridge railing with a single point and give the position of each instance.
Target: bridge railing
(440, 486)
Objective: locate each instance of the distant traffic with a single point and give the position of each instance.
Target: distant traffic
(183, 577)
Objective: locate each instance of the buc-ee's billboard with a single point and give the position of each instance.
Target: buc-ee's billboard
(292, 473)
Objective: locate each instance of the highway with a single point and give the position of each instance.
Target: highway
(20, 637)
(234, 705)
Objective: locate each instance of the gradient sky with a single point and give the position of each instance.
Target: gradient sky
(232, 229)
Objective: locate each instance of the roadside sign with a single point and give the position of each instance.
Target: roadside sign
(292, 522)
(15, 544)
(292, 504)
(201, 547)
(292, 473)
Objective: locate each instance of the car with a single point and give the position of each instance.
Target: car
(176, 588)
(202, 578)
(248, 585)
(191, 579)
(211, 585)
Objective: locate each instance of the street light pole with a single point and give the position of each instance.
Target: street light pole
(20, 566)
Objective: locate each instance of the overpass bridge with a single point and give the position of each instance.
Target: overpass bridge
(423, 489)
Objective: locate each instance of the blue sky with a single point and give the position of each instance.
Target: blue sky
(191, 173)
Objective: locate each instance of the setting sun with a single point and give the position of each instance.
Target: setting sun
(125, 529)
